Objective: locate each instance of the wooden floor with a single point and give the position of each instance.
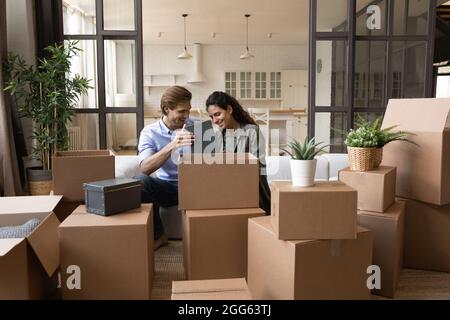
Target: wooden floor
(414, 284)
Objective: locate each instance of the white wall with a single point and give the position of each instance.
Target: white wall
(216, 59)
(443, 87)
(21, 40)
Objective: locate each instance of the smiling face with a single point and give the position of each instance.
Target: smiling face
(177, 117)
(223, 118)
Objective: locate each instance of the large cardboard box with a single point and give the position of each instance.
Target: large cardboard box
(107, 257)
(376, 188)
(326, 210)
(220, 289)
(27, 265)
(427, 236)
(423, 172)
(220, 181)
(215, 243)
(388, 232)
(73, 168)
(309, 269)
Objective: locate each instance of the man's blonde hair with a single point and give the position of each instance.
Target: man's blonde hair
(173, 96)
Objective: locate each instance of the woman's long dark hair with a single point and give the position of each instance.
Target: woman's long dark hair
(223, 100)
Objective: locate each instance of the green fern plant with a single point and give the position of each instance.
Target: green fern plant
(306, 150)
(370, 135)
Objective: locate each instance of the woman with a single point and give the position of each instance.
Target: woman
(240, 134)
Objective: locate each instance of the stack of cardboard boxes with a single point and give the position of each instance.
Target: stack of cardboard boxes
(101, 257)
(379, 212)
(423, 179)
(311, 247)
(218, 194)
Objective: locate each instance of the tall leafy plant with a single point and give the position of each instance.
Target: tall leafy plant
(47, 94)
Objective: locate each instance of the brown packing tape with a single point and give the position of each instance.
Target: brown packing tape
(216, 285)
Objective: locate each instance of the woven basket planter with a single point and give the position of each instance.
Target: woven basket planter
(364, 159)
(39, 182)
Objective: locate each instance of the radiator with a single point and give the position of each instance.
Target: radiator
(74, 138)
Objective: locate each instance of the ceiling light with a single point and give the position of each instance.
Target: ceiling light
(185, 54)
(247, 54)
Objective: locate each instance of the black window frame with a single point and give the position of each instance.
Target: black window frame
(350, 37)
(100, 36)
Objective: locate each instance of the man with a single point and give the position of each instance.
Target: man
(159, 145)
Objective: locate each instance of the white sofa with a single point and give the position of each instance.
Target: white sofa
(278, 168)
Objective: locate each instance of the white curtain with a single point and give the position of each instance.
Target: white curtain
(10, 184)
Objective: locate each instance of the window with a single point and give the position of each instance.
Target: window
(111, 115)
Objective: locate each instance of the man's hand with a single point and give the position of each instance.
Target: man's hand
(182, 138)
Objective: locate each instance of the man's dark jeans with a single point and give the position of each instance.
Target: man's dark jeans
(162, 194)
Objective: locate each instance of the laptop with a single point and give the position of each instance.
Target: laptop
(204, 137)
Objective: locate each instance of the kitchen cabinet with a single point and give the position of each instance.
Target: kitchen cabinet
(294, 89)
(254, 85)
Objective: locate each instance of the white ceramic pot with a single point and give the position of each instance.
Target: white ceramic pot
(303, 172)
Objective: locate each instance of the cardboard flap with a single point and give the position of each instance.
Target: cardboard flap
(6, 245)
(186, 287)
(84, 153)
(45, 243)
(428, 115)
(28, 204)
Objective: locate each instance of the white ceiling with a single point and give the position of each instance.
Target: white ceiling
(285, 20)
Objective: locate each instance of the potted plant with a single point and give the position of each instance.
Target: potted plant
(303, 164)
(46, 94)
(365, 144)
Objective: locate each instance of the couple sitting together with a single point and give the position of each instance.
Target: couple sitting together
(161, 142)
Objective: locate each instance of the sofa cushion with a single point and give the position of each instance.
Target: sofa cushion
(336, 162)
(127, 166)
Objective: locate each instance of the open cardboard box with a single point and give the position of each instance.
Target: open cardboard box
(73, 168)
(423, 172)
(28, 264)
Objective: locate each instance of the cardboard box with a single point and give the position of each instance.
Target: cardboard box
(427, 236)
(310, 269)
(376, 188)
(73, 168)
(215, 243)
(28, 264)
(326, 210)
(223, 181)
(221, 289)
(388, 232)
(423, 173)
(111, 256)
